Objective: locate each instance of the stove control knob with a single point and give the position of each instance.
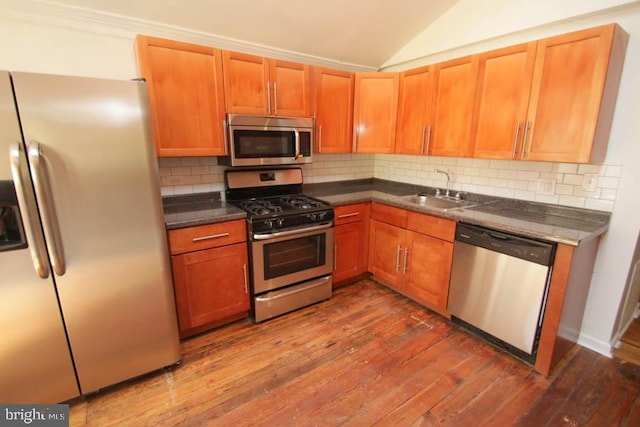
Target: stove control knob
(279, 222)
(312, 217)
(268, 223)
(321, 215)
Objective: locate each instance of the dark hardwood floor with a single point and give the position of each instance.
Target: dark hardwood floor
(366, 357)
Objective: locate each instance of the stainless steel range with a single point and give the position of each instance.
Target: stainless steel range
(290, 239)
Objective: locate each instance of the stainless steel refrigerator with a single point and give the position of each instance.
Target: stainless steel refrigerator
(86, 298)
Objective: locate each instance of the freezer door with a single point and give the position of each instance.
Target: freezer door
(95, 175)
(34, 354)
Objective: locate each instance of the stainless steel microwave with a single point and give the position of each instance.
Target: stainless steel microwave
(268, 140)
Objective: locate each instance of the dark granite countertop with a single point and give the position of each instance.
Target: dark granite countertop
(536, 220)
(198, 209)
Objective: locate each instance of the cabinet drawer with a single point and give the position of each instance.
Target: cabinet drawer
(350, 213)
(430, 225)
(207, 236)
(389, 214)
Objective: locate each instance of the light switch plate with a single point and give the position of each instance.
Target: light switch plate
(589, 181)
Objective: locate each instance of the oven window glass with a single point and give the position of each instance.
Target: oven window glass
(249, 144)
(291, 256)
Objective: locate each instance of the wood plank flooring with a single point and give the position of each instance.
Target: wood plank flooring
(629, 349)
(366, 357)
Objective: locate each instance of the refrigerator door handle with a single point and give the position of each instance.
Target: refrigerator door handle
(49, 217)
(36, 243)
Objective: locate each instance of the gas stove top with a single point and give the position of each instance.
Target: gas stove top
(273, 200)
(280, 204)
(284, 212)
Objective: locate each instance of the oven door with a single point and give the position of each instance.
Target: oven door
(257, 146)
(288, 257)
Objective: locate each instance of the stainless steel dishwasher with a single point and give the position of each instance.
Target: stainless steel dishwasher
(499, 285)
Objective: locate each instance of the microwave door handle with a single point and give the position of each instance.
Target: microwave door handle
(297, 136)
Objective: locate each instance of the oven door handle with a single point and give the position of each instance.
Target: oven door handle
(277, 234)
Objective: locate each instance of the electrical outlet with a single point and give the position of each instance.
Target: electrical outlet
(546, 186)
(589, 182)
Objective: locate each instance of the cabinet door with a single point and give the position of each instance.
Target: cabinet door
(454, 91)
(186, 96)
(333, 110)
(575, 84)
(210, 285)
(429, 269)
(374, 117)
(386, 253)
(290, 88)
(413, 131)
(502, 97)
(245, 83)
(351, 243)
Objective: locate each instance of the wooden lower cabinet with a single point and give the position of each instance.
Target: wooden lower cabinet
(415, 262)
(351, 242)
(210, 286)
(428, 270)
(386, 243)
(210, 275)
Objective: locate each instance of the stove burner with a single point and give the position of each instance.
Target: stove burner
(260, 207)
(301, 202)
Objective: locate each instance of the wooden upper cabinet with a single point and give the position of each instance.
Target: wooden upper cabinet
(413, 132)
(291, 89)
(575, 85)
(375, 112)
(502, 98)
(186, 96)
(333, 109)
(454, 90)
(245, 83)
(257, 85)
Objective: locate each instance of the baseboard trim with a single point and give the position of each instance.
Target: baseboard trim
(599, 346)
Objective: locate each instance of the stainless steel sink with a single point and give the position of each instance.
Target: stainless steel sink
(442, 203)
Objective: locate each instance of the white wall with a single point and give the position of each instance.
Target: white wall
(44, 41)
(50, 48)
(472, 27)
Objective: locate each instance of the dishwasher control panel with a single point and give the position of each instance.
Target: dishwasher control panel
(516, 246)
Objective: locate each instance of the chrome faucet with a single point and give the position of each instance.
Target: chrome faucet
(444, 172)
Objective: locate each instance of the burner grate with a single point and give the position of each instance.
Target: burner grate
(260, 207)
(301, 202)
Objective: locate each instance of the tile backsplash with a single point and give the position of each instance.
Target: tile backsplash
(567, 184)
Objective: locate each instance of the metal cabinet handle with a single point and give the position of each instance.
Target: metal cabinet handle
(524, 140)
(398, 258)
(225, 139)
(319, 138)
(335, 257)
(348, 215)
(212, 236)
(36, 243)
(269, 98)
(244, 272)
(275, 98)
(355, 138)
(49, 217)
(515, 141)
(428, 140)
(424, 131)
(404, 264)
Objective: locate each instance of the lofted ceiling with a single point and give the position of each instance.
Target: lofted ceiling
(359, 32)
